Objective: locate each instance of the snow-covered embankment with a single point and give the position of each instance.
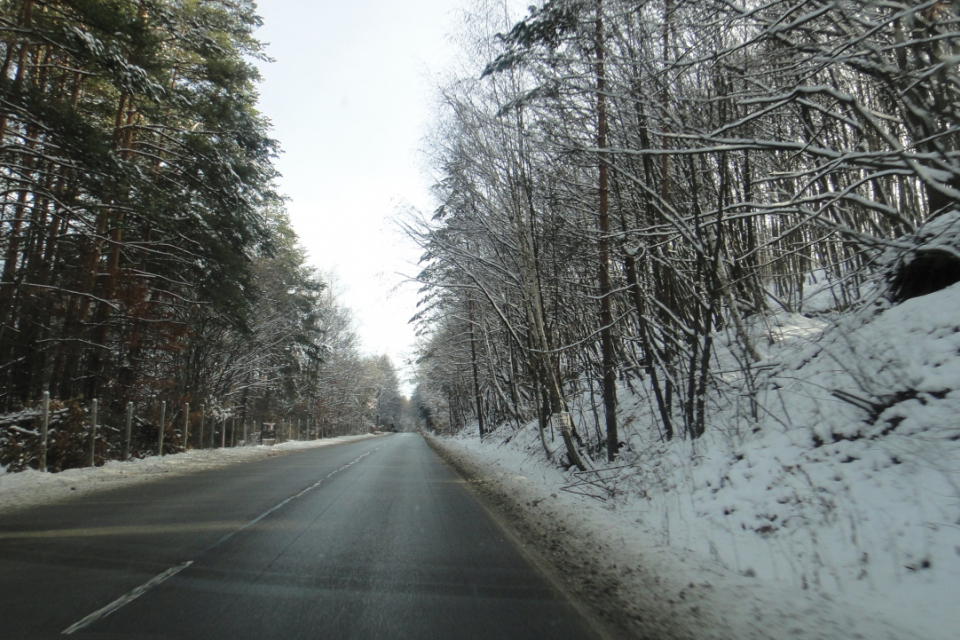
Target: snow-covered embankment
(834, 514)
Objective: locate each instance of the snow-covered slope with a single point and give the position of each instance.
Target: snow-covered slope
(829, 507)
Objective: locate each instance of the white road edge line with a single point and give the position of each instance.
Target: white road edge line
(169, 573)
(130, 597)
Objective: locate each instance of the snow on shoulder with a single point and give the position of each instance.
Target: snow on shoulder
(833, 513)
(32, 488)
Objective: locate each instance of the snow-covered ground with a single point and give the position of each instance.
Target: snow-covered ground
(830, 509)
(663, 591)
(31, 488)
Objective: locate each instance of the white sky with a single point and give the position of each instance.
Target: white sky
(349, 95)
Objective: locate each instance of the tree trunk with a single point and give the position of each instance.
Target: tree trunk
(473, 361)
(606, 316)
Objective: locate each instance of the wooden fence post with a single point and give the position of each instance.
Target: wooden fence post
(129, 432)
(44, 427)
(186, 425)
(163, 418)
(93, 432)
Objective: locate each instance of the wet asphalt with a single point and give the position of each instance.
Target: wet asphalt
(372, 539)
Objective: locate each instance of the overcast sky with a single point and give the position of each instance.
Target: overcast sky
(350, 95)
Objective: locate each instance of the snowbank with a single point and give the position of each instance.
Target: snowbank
(31, 488)
(824, 505)
(613, 560)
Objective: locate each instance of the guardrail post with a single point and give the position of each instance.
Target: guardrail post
(163, 418)
(93, 432)
(186, 425)
(44, 427)
(129, 432)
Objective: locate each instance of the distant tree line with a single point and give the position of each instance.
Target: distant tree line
(623, 183)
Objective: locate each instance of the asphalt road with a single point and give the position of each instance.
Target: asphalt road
(374, 539)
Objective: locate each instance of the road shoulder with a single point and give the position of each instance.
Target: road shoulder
(32, 488)
(569, 557)
(601, 554)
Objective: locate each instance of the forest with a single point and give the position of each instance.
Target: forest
(689, 314)
(145, 253)
(630, 190)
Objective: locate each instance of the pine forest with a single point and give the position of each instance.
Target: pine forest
(146, 255)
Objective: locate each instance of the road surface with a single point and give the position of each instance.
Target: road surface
(373, 539)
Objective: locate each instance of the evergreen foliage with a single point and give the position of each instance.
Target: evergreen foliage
(144, 252)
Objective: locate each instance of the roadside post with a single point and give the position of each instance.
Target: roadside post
(93, 432)
(186, 425)
(129, 432)
(44, 428)
(200, 440)
(163, 418)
